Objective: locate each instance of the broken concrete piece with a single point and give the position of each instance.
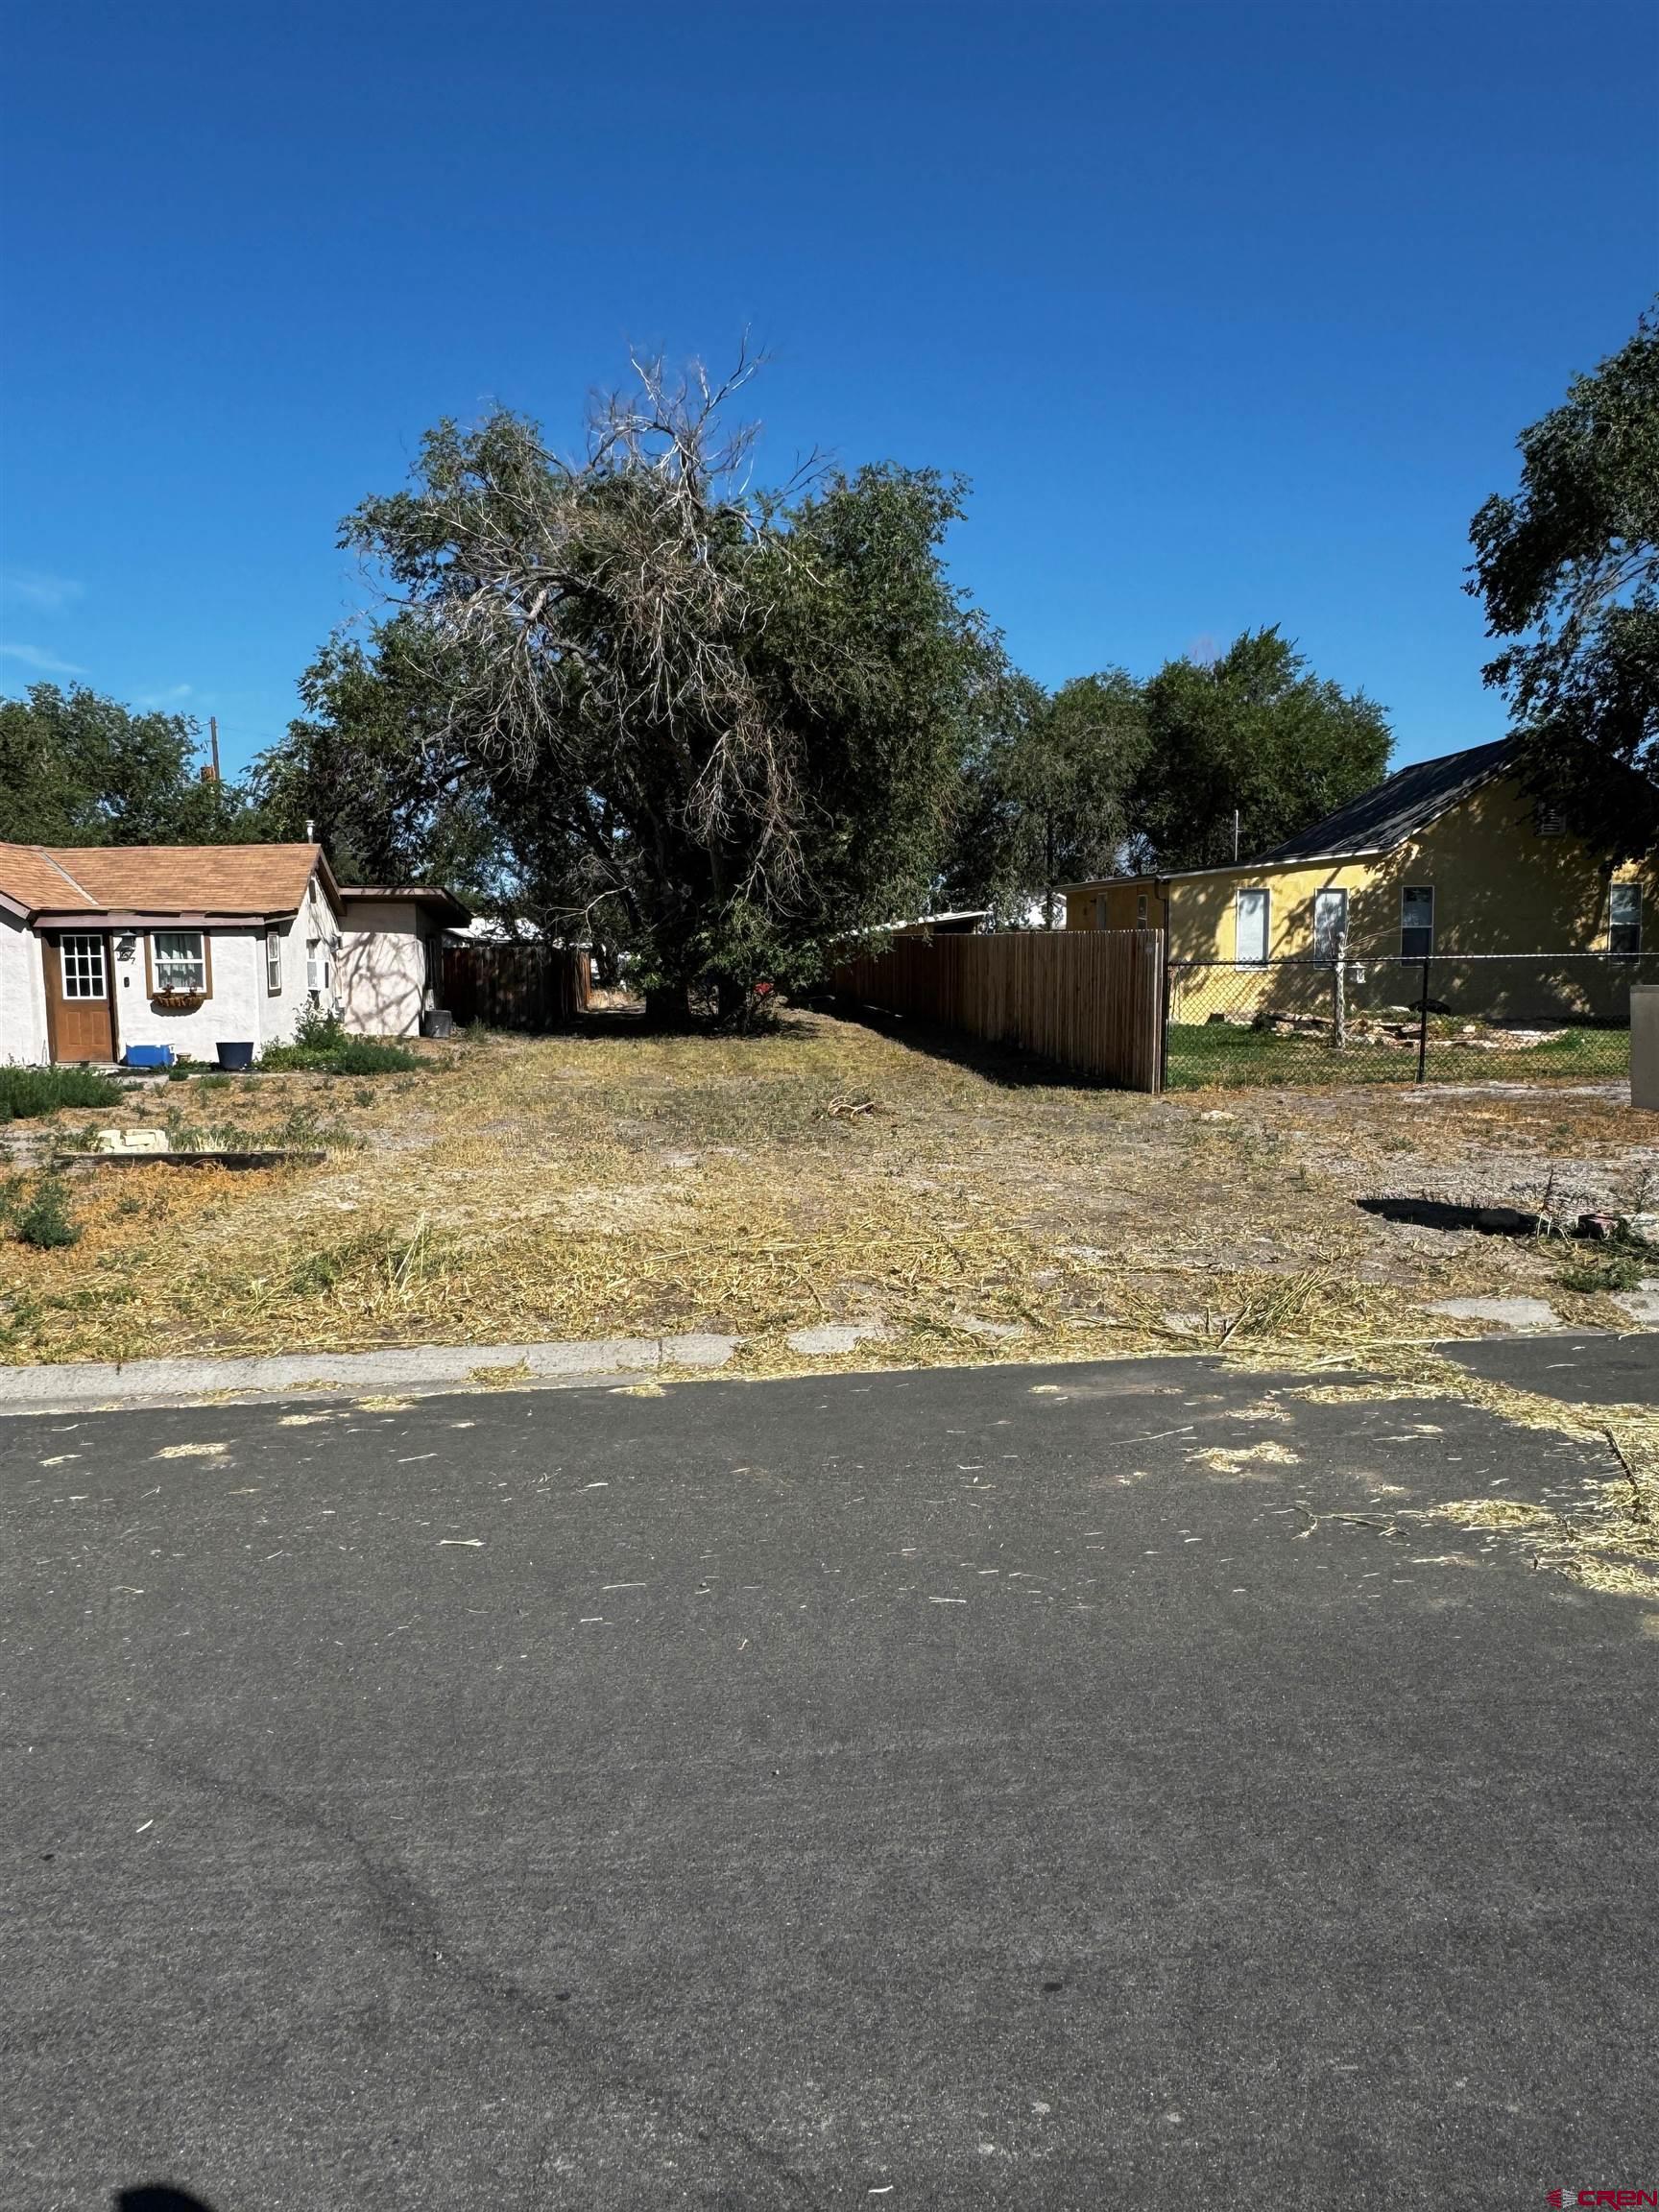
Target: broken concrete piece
(827, 1337)
(132, 1140)
(1641, 1305)
(1506, 1313)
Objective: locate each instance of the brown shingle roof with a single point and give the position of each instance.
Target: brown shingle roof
(160, 879)
(29, 878)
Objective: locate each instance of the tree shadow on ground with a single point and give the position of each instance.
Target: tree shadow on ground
(628, 1023)
(159, 2197)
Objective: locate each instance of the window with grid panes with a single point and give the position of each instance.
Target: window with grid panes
(83, 971)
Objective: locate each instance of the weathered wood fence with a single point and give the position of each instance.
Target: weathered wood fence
(1092, 1000)
(516, 986)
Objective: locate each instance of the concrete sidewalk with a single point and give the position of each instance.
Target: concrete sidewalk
(417, 1369)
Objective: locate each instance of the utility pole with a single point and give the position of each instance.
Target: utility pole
(1235, 836)
(213, 741)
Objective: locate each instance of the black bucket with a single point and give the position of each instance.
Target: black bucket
(235, 1059)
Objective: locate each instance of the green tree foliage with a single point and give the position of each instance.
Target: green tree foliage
(1046, 797)
(1256, 731)
(729, 721)
(80, 769)
(1569, 571)
(371, 767)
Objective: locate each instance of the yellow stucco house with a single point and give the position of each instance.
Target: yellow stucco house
(1448, 859)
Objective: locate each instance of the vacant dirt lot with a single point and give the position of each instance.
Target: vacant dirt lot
(611, 1184)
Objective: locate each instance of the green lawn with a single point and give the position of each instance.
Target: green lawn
(1204, 1054)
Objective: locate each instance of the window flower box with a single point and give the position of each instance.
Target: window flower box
(178, 1002)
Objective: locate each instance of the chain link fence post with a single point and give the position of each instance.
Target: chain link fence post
(1423, 1024)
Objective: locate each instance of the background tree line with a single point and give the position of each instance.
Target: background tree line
(715, 727)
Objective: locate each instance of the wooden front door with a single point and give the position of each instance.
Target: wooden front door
(79, 995)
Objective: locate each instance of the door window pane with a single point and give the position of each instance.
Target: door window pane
(1330, 923)
(181, 964)
(1417, 922)
(1624, 918)
(1251, 928)
(82, 959)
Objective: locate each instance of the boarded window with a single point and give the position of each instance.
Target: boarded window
(1330, 925)
(1624, 919)
(1250, 930)
(1417, 922)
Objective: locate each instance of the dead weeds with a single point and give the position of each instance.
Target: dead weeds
(520, 1188)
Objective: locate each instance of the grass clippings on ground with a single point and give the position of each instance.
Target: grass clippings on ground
(516, 1190)
(1611, 1545)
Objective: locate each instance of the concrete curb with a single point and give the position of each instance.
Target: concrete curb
(424, 1370)
(421, 1368)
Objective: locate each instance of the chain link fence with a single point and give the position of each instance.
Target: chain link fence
(1505, 1017)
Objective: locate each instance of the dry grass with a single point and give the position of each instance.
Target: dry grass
(1610, 1543)
(613, 1184)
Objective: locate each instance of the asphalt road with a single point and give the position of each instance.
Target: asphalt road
(920, 1790)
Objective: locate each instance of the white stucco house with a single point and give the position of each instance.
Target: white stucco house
(108, 947)
(391, 954)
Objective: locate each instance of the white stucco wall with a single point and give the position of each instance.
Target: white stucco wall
(22, 993)
(242, 1007)
(312, 934)
(231, 1013)
(383, 967)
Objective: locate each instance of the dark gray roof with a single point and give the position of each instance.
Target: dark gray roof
(1390, 812)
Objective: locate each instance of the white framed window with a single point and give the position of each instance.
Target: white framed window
(1141, 910)
(1416, 920)
(1250, 930)
(84, 969)
(1100, 910)
(274, 962)
(1330, 925)
(178, 959)
(1624, 919)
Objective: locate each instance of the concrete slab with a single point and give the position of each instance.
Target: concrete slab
(993, 1331)
(829, 1337)
(416, 1370)
(1504, 1313)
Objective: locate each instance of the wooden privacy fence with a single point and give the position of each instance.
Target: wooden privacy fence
(1092, 1000)
(516, 986)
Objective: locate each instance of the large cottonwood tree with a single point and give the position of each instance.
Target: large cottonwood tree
(722, 724)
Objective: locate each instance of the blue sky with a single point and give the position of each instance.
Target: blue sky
(1230, 312)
